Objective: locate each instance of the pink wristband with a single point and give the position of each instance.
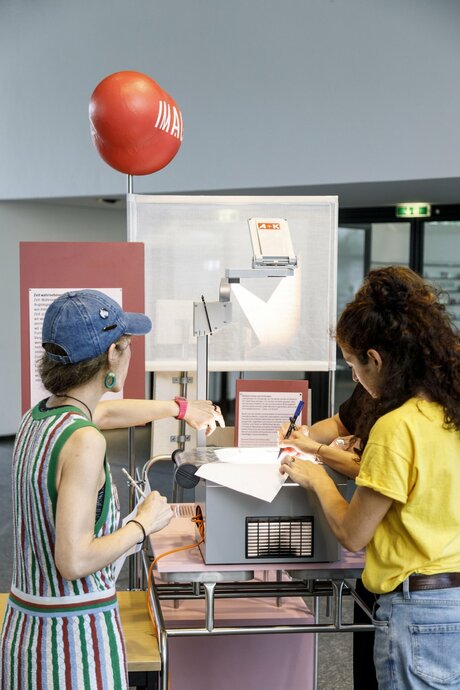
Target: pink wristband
(183, 404)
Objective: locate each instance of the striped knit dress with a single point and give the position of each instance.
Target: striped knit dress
(57, 634)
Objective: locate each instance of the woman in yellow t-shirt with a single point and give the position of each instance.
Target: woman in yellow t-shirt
(403, 348)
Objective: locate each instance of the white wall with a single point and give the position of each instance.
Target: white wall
(22, 222)
(273, 92)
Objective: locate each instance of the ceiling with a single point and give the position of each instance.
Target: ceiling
(353, 195)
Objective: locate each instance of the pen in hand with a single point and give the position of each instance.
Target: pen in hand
(292, 421)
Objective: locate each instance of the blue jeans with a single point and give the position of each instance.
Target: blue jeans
(417, 640)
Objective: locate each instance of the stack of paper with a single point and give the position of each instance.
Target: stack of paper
(253, 471)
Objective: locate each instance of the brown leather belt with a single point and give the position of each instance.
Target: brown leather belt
(438, 581)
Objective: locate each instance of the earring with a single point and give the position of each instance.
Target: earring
(110, 380)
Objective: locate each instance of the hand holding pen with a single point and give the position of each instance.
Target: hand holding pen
(292, 423)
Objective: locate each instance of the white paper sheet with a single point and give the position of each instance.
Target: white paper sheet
(258, 479)
(249, 456)
(118, 564)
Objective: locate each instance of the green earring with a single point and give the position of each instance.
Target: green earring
(110, 380)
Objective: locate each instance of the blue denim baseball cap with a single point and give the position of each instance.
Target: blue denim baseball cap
(85, 323)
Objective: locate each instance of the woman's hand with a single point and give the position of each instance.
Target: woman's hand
(203, 414)
(154, 512)
(303, 472)
(282, 431)
(298, 444)
(353, 523)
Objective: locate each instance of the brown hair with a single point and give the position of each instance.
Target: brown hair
(59, 378)
(400, 315)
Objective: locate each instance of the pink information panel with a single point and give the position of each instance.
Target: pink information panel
(49, 268)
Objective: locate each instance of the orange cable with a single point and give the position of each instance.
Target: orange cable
(198, 520)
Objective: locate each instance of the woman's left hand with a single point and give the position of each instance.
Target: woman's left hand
(303, 472)
(203, 414)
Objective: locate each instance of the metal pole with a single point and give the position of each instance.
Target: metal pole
(331, 393)
(337, 586)
(134, 573)
(209, 588)
(162, 632)
(164, 673)
(316, 613)
(201, 380)
(182, 424)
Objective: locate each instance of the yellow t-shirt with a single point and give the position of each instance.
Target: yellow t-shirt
(412, 459)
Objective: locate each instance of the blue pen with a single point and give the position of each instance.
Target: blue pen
(292, 421)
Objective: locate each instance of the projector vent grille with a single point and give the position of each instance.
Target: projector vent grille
(279, 537)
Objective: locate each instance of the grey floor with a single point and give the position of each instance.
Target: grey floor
(335, 650)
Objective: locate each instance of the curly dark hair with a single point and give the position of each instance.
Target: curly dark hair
(400, 315)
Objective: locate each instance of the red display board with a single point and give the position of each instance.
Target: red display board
(82, 265)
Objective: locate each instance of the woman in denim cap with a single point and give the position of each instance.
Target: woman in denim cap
(62, 628)
(402, 347)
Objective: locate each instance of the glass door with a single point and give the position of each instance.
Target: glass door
(362, 247)
(352, 260)
(390, 244)
(442, 262)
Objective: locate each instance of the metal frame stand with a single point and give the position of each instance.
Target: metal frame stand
(210, 589)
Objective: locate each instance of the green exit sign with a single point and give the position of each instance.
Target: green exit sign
(413, 210)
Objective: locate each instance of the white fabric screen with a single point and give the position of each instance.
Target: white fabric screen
(278, 324)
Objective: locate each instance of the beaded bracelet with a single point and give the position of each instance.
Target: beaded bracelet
(136, 522)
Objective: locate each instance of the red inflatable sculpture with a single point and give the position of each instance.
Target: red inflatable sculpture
(135, 125)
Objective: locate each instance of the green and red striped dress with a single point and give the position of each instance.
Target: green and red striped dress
(57, 634)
